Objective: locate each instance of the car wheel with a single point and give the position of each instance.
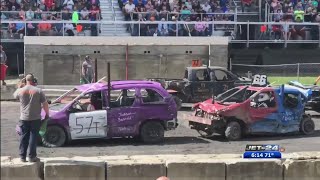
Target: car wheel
(152, 132)
(233, 131)
(54, 137)
(307, 126)
(178, 101)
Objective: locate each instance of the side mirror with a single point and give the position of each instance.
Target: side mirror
(49, 101)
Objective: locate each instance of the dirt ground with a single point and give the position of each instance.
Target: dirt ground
(180, 141)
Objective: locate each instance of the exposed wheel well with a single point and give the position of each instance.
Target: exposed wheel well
(68, 136)
(152, 120)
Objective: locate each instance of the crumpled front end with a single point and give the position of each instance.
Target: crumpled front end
(212, 118)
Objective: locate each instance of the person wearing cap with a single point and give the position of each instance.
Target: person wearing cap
(31, 98)
(87, 71)
(172, 29)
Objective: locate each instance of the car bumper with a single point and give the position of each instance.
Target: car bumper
(172, 124)
(192, 118)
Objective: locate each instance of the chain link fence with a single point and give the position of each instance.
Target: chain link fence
(306, 73)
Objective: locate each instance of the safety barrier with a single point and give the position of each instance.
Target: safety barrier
(238, 32)
(293, 166)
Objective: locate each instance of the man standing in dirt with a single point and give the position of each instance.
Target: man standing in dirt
(87, 71)
(31, 98)
(3, 67)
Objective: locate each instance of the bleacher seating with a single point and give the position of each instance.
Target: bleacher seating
(37, 13)
(280, 20)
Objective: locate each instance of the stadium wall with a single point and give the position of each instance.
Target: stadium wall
(57, 60)
(274, 56)
(293, 166)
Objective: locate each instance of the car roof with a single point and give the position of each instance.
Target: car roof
(255, 88)
(287, 89)
(117, 84)
(205, 67)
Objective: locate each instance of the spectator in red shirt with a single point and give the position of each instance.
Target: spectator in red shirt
(44, 28)
(95, 13)
(49, 3)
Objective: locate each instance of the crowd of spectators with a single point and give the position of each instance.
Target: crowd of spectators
(173, 10)
(295, 11)
(44, 10)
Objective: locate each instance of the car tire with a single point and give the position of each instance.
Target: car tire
(178, 101)
(152, 132)
(54, 137)
(233, 131)
(307, 126)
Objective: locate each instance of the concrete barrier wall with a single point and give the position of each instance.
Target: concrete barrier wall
(294, 166)
(59, 62)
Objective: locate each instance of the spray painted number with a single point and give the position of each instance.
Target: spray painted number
(88, 124)
(260, 80)
(80, 127)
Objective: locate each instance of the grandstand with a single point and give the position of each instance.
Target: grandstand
(249, 24)
(244, 21)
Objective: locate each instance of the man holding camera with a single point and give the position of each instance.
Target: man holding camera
(31, 98)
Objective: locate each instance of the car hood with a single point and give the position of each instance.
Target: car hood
(216, 107)
(51, 113)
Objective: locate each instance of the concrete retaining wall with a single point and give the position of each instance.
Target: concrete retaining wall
(294, 166)
(58, 61)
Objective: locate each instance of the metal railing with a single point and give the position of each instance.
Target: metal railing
(214, 28)
(113, 11)
(271, 16)
(134, 15)
(16, 15)
(267, 11)
(235, 10)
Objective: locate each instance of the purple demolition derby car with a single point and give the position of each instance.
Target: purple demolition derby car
(135, 109)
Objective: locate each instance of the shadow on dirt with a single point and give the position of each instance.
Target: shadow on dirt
(135, 142)
(268, 137)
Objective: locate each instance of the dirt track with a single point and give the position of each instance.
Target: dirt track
(181, 141)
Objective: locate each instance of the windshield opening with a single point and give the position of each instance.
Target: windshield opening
(235, 95)
(63, 100)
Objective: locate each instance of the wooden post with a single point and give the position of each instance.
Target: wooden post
(95, 70)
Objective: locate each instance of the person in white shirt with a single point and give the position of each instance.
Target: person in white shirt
(30, 14)
(163, 28)
(69, 4)
(129, 8)
(206, 7)
(84, 13)
(69, 29)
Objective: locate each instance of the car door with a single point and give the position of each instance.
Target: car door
(264, 118)
(85, 123)
(153, 105)
(201, 85)
(292, 113)
(123, 113)
(222, 81)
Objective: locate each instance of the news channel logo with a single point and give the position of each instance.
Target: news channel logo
(263, 151)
